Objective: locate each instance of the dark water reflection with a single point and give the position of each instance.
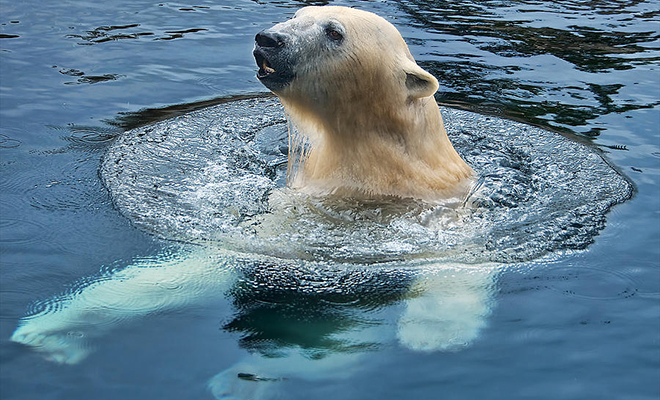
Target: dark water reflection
(272, 319)
(559, 65)
(494, 55)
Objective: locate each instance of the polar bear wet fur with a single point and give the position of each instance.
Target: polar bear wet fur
(350, 85)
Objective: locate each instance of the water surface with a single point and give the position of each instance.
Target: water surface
(576, 324)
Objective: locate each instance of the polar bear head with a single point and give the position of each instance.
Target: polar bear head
(350, 84)
(326, 54)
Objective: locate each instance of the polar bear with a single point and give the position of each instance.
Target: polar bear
(350, 85)
(348, 82)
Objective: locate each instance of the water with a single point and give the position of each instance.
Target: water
(570, 324)
(218, 175)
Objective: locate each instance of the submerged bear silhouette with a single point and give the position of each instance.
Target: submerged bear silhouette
(358, 228)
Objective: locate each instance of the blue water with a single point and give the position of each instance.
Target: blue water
(580, 325)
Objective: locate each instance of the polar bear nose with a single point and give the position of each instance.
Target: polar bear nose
(269, 39)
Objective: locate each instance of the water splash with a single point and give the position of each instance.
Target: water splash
(218, 176)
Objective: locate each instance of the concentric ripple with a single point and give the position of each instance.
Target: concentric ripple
(217, 175)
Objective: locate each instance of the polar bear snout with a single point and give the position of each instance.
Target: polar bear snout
(275, 68)
(266, 38)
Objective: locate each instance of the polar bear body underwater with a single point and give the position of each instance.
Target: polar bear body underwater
(366, 127)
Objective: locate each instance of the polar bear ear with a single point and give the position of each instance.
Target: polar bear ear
(419, 82)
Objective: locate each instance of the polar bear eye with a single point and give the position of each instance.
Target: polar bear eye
(334, 34)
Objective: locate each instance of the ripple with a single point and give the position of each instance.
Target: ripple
(106, 33)
(11, 300)
(8, 143)
(91, 79)
(113, 33)
(17, 231)
(76, 189)
(216, 175)
(586, 282)
(501, 45)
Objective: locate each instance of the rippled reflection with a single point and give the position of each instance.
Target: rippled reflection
(502, 56)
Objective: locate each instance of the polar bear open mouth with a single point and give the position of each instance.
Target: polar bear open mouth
(275, 75)
(265, 70)
(275, 71)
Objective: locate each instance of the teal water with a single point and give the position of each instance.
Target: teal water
(574, 324)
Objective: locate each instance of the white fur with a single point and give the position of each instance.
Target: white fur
(367, 110)
(62, 331)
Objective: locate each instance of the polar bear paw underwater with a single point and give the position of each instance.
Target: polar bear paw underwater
(366, 128)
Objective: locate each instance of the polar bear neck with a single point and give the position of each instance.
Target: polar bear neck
(384, 152)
